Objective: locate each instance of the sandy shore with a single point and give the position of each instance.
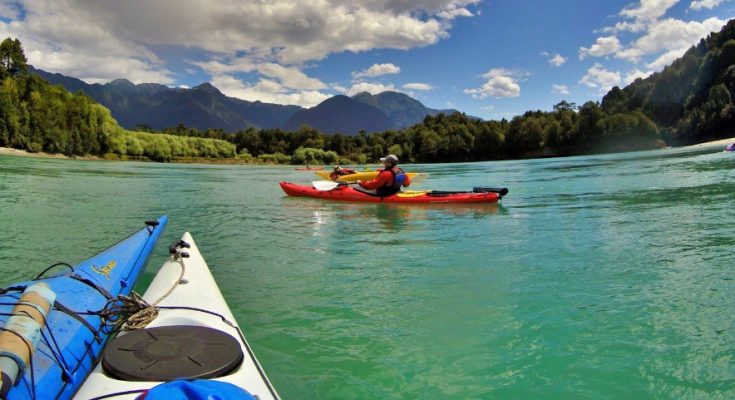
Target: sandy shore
(7, 151)
(722, 142)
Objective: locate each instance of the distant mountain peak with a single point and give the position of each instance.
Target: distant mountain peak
(207, 87)
(342, 114)
(122, 83)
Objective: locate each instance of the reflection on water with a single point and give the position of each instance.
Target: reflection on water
(391, 217)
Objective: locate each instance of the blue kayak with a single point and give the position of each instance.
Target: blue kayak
(53, 329)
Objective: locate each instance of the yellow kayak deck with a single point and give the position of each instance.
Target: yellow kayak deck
(367, 175)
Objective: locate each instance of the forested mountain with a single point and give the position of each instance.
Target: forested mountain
(205, 107)
(692, 99)
(351, 115)
(402, 109)
(342, 114)
(159, 107)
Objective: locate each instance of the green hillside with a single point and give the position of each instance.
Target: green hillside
(37, 116)
(691, 100)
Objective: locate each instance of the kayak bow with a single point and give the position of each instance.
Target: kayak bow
(197, 338)
(51, 359)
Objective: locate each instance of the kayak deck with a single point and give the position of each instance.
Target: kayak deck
(194, 301)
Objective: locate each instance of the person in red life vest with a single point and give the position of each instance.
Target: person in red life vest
(339, 171)
(390, 179)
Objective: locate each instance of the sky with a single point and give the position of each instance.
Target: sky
(487, 58)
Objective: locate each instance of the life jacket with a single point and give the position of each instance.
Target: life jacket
(399, 178)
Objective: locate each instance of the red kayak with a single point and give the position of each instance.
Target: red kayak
(349, 193)
(309, 169)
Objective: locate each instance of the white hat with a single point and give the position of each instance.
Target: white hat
(391, 158)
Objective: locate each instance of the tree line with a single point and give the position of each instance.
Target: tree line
(568, 130)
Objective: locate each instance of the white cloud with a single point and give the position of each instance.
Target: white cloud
(671, 35)
(667, 39)
(418, 86)
(287, 31)
(557, 60)
(626, 26)
(708, 4)
(648, 10)
(497, 87)
(598, 77)
(54, 40)
(339, 88)
(372, 88)
(496, 72)
(641, 15)
(267, 91)
(634, 74)
(456, 9)
(288, 76)
(559, 89)
(270, 40)
(666, 59)
(602, 47)
(501, 83)
(376, 70)
(106, 67)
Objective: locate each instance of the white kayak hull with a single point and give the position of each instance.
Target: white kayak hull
(199, 291)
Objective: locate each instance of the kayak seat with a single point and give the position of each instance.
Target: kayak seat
(370, 192)
(172, 352)
(367, 192)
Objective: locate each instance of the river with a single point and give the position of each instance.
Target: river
(607, 276)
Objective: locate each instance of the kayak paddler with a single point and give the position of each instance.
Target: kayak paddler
(339, 171)
(390, 179)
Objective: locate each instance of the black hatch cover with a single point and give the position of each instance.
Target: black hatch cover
(172, 352)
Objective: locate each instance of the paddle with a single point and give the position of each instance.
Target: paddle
(477, 189)
(325, 186)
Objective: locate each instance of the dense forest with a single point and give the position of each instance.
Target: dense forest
(690, 101)
(36, 116)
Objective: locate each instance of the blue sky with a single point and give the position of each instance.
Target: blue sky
(487, 58)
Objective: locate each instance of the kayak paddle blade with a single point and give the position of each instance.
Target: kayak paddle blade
(324, 186)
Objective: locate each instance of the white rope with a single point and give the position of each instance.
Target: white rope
(149, 312)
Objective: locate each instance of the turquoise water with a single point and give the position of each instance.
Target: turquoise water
(600, 277)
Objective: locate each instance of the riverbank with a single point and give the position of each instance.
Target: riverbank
(721, 142)
(7, 151)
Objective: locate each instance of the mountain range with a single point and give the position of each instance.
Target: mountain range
(204, 107)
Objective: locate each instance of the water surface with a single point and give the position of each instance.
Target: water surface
(598, 277)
